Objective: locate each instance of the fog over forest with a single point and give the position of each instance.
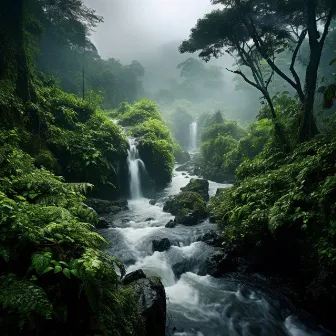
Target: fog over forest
(150, 32)
(168, 167)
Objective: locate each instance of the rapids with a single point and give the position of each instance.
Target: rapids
(199, 305)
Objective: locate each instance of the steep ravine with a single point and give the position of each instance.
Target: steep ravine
(198, 305)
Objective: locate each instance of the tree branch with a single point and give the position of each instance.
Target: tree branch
(250, 26)
(237, 72)
(327, 24)
(269, 79)
(292, 66)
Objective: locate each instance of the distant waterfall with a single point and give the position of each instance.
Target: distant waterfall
(134, 166)
(193, 137)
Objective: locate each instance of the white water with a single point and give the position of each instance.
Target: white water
(193, 137)
(135, 164)
(198, 305)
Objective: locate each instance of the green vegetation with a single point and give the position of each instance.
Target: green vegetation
(188, 207)
(54, 276)
(54, 148)
(156, 144)
(279, 216)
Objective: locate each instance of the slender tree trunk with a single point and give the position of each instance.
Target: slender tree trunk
(278, 128)
(308, 128)
(22, 79)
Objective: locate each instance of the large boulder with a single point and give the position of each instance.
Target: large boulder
(218, 264)
(200, 186)
(161, 245)
(133, 276)
(105, 206)
(152, 300)
(171, 224)
(188, 207)
(211, 238)
(102, 223)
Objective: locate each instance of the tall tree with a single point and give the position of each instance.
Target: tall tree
(262, 29)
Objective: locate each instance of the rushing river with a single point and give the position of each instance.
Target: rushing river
(198, 305)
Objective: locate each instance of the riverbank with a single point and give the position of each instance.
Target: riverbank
(198, 304)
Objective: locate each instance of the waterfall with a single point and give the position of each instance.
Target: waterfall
(135, 164)
(193, 137)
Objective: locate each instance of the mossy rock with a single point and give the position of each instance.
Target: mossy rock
(200, 186)
(180, 155)
(188, 207)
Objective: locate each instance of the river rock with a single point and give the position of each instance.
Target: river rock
(200, 186)
(152, 202)
(106, 206)
(188, 207)
(185, 167)
(171, 224)
(133, 276)
(211, 238)
(161, 245)
(149, 219)
(102, 223)
(179, 269)
(217, 265)
(152, 300)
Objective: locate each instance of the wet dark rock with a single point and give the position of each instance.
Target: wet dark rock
(161, 245)
(211, 238)
(190, 218)
(102, 223)
(125, 220)
(213, 218)
(106, 206)
(152, 300)
(188, 207)
(149, 219)
(133, 276)
(199, 186)
(184, 174)
(217, 265)
(152, 202)
(179, 269)
(171, 224)
(186, 177)
(185, 167)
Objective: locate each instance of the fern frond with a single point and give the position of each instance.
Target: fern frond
(24, 299)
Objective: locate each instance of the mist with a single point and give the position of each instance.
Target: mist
(150, 31)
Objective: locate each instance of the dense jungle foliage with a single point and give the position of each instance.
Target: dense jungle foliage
(55, 148)
(58, 145)
(157, 148)
(279, 216)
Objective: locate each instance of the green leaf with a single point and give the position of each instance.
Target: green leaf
(75, 273)
(57, 269)
(67, 273)
(48, 269)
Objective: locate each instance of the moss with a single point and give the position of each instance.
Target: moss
(188, 207)
(180, 155)
(155, 140)
(199, 186)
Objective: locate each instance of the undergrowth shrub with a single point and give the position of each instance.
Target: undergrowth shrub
(54, 276)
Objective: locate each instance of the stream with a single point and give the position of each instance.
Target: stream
(198, 305)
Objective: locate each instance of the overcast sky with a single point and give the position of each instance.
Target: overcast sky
(133, 29)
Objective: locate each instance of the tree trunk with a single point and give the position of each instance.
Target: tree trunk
(279, 131)
(22, 79)
(308, 128)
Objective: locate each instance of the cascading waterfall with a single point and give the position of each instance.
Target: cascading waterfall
(193, 137)
(135, 164)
